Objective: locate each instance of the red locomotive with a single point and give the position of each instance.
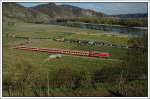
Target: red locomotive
(99, 55)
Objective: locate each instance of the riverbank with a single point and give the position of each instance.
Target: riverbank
(134, 31)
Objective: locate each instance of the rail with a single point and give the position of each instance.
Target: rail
(68, 52)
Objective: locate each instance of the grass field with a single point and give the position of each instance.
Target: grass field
(52, 31)
(14, 59)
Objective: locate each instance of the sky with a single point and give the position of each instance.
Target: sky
(107, 8)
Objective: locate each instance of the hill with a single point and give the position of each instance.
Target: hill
(14, 11)
(44, 12)
(65, 11)
(136, 15)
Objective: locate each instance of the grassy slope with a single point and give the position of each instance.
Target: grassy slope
(39, 30)
(13, 57)
(30, 30)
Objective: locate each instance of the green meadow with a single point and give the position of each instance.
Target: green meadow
(28, 66)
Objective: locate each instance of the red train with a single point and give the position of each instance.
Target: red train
(98, 54)
(68, 52)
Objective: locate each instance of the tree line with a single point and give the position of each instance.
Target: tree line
(131, 22)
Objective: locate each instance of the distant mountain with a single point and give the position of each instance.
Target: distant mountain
(14, 11)
(44, 12)
(137, 15)
(70, 7)
(65, 11)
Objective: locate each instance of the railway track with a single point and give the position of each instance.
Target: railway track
(110, 59)
(67, 52)
(73, 53)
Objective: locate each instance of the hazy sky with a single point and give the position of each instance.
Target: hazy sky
(107, 8)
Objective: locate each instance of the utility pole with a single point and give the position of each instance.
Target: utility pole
(47, 84)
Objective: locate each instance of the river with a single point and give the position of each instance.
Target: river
(134, 31)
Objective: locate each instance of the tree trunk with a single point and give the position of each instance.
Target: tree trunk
(9, 90)
(22, 90)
